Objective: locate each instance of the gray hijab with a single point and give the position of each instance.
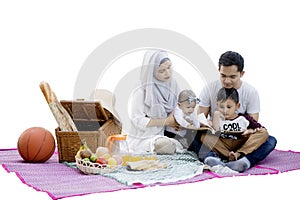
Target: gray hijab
(160, 97)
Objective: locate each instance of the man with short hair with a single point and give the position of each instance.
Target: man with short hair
(231, 69)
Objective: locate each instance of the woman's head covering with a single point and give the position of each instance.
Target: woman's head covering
(160, 97)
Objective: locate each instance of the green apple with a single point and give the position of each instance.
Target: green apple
(93, 157)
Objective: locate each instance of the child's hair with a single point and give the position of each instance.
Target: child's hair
(186, 95)
(228, 93)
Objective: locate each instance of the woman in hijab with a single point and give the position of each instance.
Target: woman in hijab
(152, 106)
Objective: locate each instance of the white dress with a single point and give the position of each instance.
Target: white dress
(141, 138)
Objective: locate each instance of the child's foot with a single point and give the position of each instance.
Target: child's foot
(240, 165)
(212, 161)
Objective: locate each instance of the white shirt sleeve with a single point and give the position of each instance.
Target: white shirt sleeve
(205, 97)
(243, 122)
(253, 105)
(208, 96)
(138, 113)
(249, 99)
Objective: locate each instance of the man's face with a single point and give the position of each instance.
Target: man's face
(230, 77)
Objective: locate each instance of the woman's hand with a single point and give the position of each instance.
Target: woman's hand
(170, 121)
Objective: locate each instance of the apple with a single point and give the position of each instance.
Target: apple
(102, 161)
(93, 157)
(86, 159)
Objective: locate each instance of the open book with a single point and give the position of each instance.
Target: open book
(205, 127)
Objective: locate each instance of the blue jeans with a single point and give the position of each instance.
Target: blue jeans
(263, 151)
(202, 151)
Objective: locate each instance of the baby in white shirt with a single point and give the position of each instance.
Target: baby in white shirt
(184, 112)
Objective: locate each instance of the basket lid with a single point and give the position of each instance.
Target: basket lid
(107, 100)
(85, 111)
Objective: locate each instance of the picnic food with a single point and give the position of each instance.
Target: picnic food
(36, 144)
(101, 151)
(93, 157)
(144, 165)
(112, 161)
(61, 116)
(101, 156)
(83, 151)
(101, 160)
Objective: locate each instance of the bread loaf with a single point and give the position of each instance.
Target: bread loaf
(61, 116)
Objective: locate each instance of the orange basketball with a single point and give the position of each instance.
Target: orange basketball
(36, 144)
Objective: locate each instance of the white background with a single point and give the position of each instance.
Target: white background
(50, 40)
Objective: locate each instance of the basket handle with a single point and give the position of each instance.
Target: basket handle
(112, 138)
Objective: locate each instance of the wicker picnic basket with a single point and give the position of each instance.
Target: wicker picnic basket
(94, 124)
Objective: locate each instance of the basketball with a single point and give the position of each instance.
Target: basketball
(36, 145)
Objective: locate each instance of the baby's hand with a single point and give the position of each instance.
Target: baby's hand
(188, 119)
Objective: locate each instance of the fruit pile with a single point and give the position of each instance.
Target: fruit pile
(102, 156)
(102, 161)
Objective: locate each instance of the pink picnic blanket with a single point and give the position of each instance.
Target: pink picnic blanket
(56, 179)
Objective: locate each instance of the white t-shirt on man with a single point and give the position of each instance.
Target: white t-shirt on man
(248, 98)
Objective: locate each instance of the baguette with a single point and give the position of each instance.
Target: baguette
(48, 93)
(60, 114)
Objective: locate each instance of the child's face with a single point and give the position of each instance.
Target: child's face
(163, 72)
(228, 108)
(187, 107)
